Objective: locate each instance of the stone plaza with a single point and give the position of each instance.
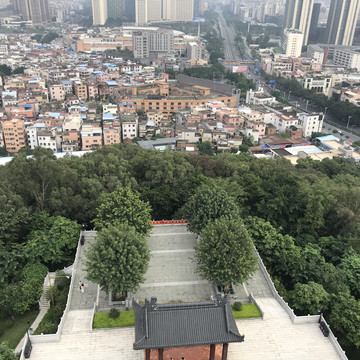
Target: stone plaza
(171, 277)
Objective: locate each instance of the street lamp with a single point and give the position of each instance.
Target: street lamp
(325, 112)
(347, 126)
(289, 94)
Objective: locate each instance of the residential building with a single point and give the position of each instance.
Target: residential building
(316, 52)
(311, 123)
(292, 42)
(193, 50)
(342, 19)
(14, 135)
(147, 11)
(57, 92)
(153, 43)
(258, 97)
(298, 15)
(99, 11)
(313, 31)
(81, 90)
(47, 140)
(35, 10)
(91, 136)
(32, 134)
(350, 58)
(129, 126)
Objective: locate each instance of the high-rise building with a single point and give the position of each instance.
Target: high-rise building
(313, 34)
(115, 9)
(35, 10)
(153, 43)
(100, 13)
(129, 10)
(147, 11)
(298, 16)
(341, 22)
(292, 41)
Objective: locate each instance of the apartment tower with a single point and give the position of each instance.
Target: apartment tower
(298, 15)
(100, 12)
(341, 22)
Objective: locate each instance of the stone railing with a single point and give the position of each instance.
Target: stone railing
(168, 222)
(299, 319)
(334, 341)
(254, 301)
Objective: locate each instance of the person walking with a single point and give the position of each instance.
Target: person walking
(80, 283)
(82, 287)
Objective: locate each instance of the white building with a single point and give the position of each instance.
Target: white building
(316, 52)
(317, 83)
(347, 57)
(153, 43)
(258, 97)
(47, 140)
(129, 125)
(99, 11)
(292, 41)
(32, 134)
(147, 11)
(298, 15)
(193, 50)
(311, 123)
(282, 122)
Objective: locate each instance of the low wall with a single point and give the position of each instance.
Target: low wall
(167, 222)
(334, 341)
(300, 319)
(253, 300)
(56, 337)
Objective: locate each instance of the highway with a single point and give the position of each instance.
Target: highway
(228, 33)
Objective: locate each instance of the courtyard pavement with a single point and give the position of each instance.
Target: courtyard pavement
(171, 277)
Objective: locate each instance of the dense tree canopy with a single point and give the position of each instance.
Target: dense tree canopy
(304, 219)
(207, 204)
(119, 258)
(123, 206)
(225, 254)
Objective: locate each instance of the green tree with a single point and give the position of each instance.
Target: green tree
(5, 70)
(56, 244)
(205, 148)
(119, 258)
(208, 203)
(345, 318)
(6, 353)
(125, 206)
(225, 253)
(21, 295)
(309, 298)
(350, 264)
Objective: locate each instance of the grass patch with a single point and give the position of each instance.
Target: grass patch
(12, 331)
(247, 311)
(102, 320)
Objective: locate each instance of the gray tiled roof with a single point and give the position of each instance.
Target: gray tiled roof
(184, 324)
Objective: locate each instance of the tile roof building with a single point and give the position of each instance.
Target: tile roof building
(164, 329)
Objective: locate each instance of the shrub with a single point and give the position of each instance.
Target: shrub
(46, 328)
(237, 306)
(114, 313)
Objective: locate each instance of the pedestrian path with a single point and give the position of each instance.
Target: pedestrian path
(79, 300)
(78, 321)
(33, 326)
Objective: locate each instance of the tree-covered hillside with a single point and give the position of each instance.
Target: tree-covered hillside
(304, 220)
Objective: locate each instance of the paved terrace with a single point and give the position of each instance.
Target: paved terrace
(170, 276)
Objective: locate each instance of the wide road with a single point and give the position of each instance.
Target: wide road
(228, 33)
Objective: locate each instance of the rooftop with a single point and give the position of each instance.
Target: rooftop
(184, 324)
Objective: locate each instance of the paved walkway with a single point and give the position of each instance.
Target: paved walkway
(275, 338)
(85, 301)
(33, 326)
(171, 275)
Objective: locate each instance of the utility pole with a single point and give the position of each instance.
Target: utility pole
(348, 123)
